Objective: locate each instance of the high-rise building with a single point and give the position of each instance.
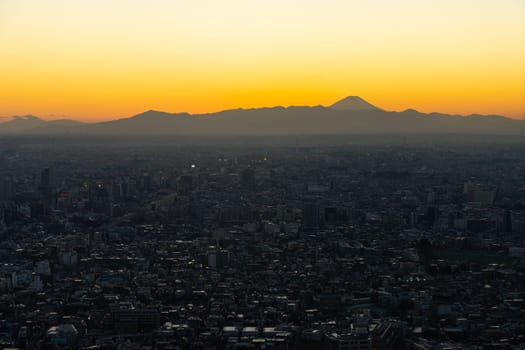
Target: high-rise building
(484, 196)
(330, 215)
(431, 197)
(310, 216)
(2, 221)
(185, 184)
(46, 189)
(100, 198)
(218, 258)
(146, 182)
(6, 189)
(248, 178)
(507, 221)
(117, 191)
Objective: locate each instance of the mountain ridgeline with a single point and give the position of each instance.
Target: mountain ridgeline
(351, 115)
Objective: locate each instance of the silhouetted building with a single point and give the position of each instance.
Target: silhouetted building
(117, 192)
(218, 258)
(311, 216)
(46, 189)
(101, 199)
(432, 214)
(506, 221)
(185, 184)
(6, 189)
(330, 215)
(477, 225)
(146, 182)
(248, 178)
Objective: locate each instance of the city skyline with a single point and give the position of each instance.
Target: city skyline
(100, 60)
(262, 175)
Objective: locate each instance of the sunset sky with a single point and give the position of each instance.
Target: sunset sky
(105, 59)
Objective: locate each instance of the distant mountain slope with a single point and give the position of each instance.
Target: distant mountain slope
(30, 124)
(351, 115)
(22, 123)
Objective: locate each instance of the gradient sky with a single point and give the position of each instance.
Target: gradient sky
(103, 59)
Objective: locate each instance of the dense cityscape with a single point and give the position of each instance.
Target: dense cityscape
(109, 244)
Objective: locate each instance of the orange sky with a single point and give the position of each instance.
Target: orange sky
(104, 59)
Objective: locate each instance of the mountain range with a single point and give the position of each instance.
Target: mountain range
(351, 115)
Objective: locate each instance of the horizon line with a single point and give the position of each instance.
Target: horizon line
(57, 117)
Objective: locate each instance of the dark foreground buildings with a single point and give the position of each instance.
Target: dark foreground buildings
(106, 245)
